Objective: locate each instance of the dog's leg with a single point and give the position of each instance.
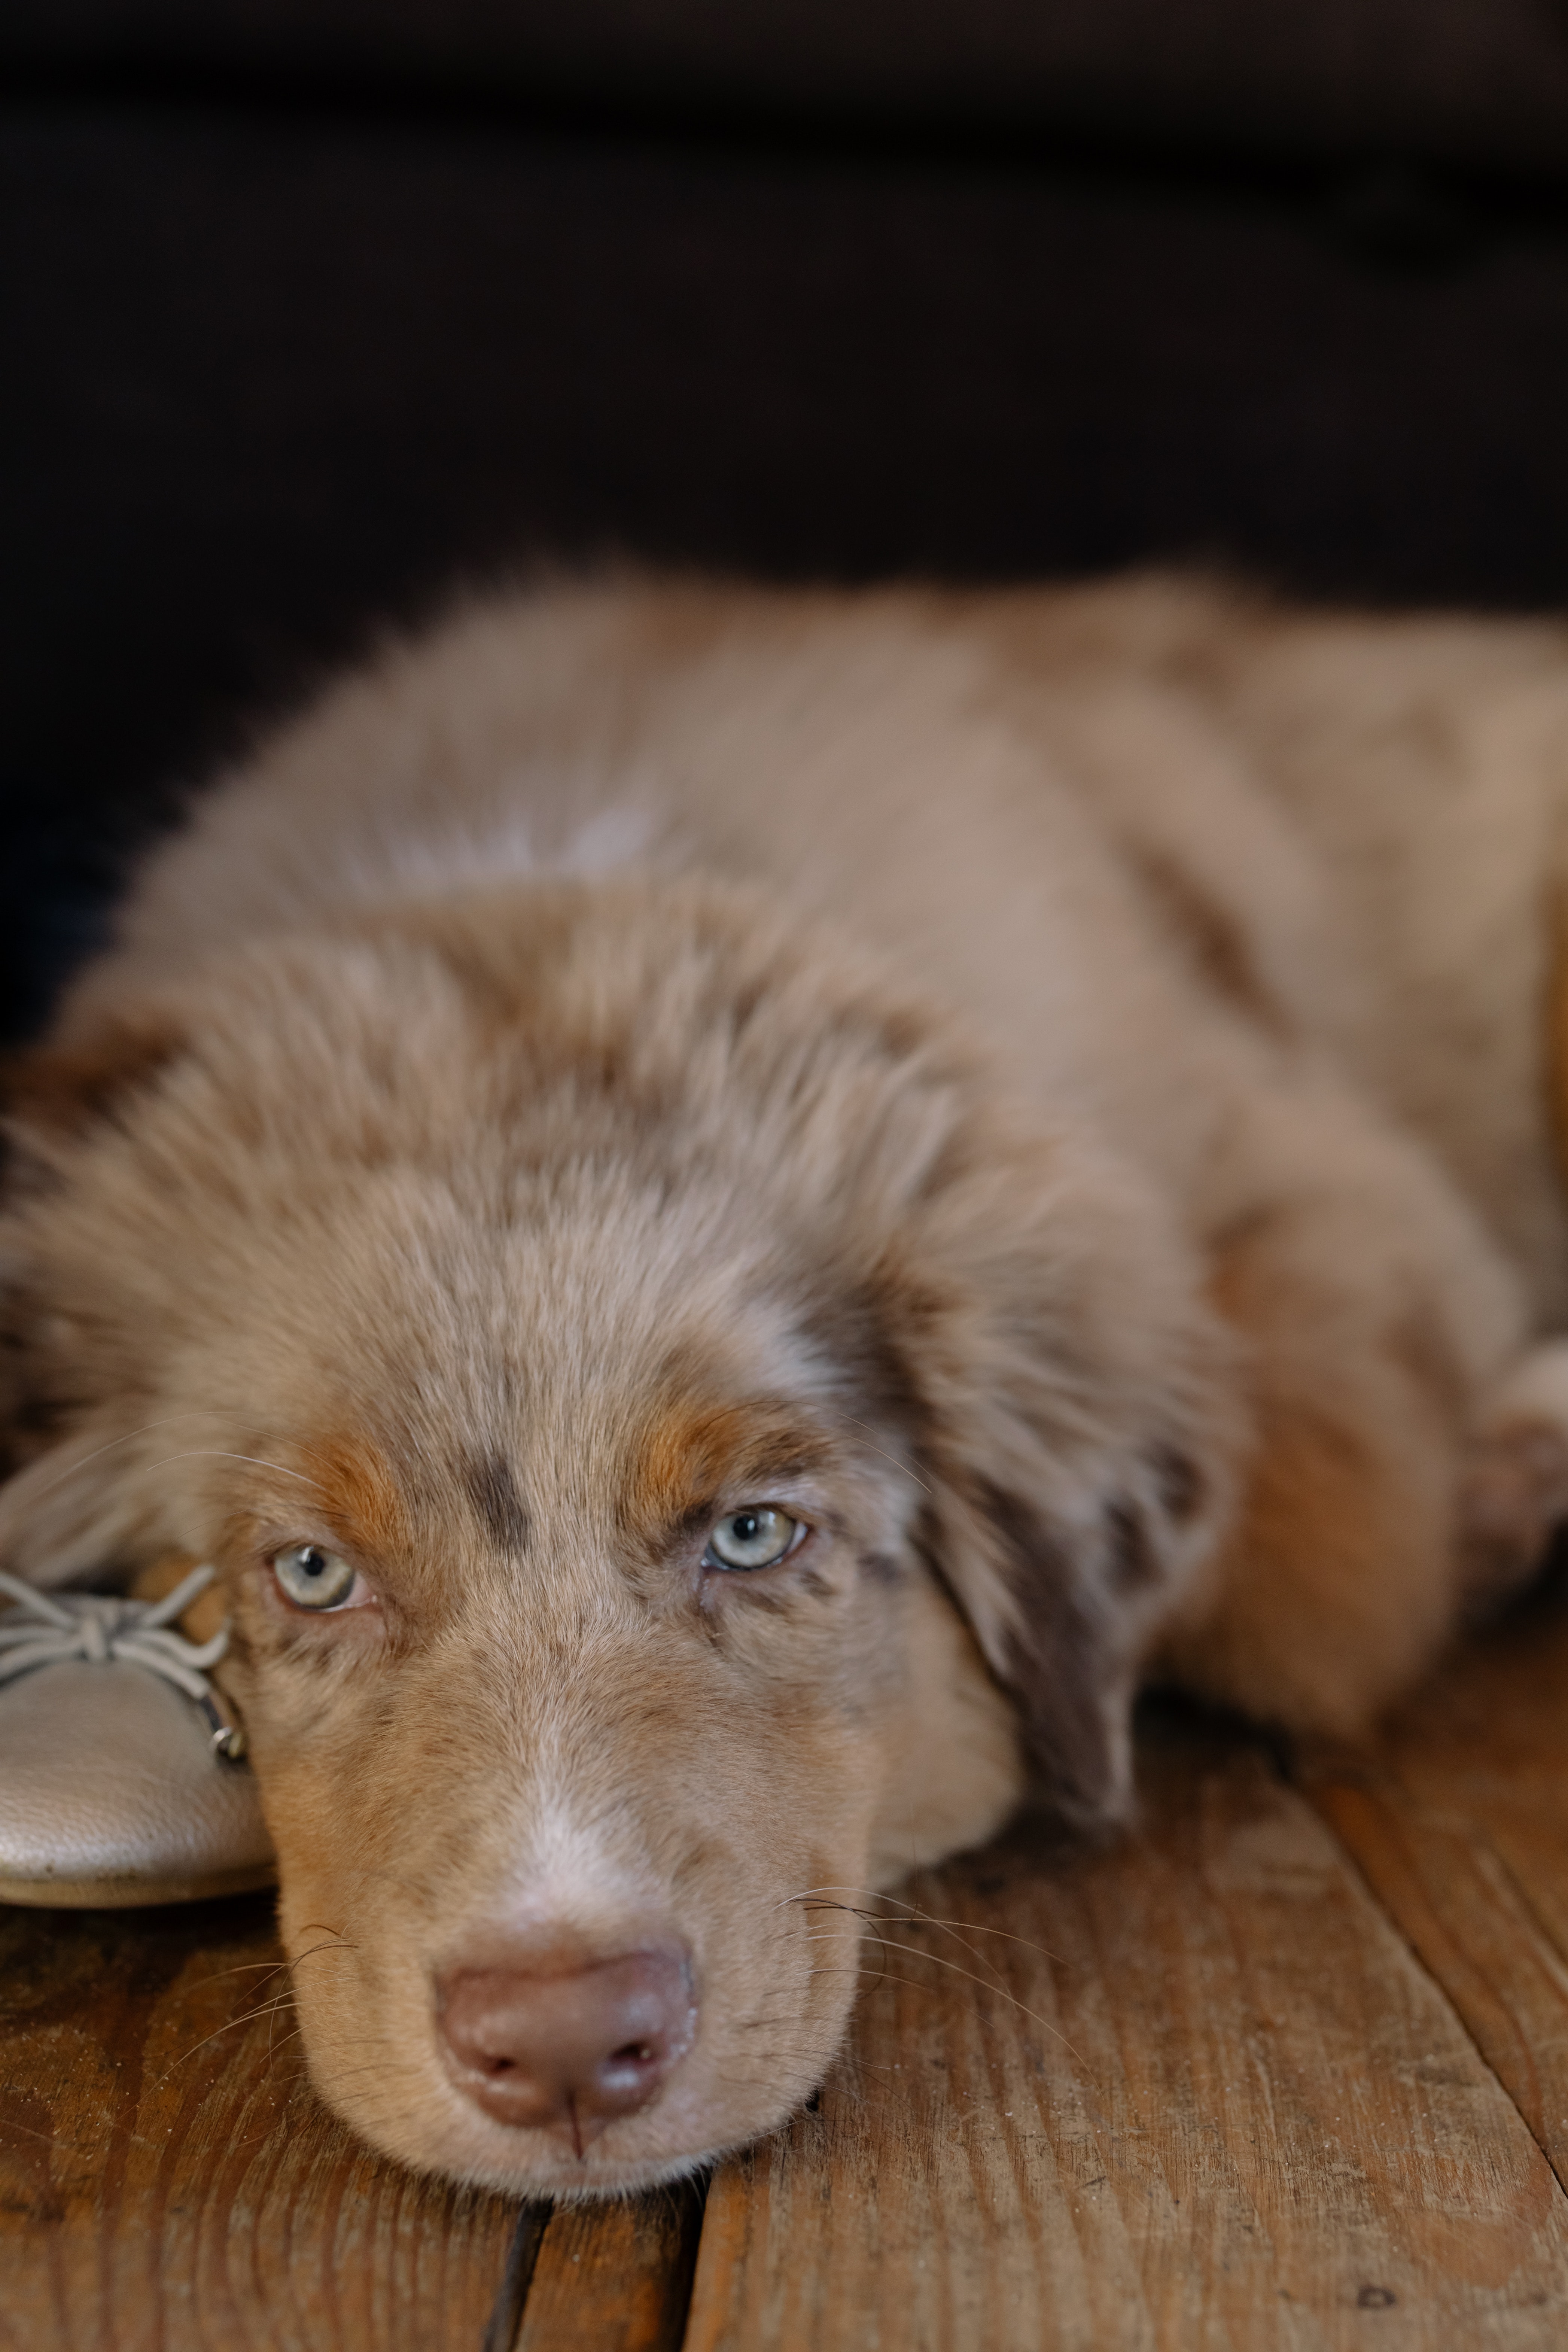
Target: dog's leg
(1378, 1323)
(1515, 1490)
(1516, 1487)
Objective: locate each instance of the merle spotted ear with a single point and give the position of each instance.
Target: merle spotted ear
(1074, 1418)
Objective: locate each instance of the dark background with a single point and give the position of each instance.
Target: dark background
(314, 309)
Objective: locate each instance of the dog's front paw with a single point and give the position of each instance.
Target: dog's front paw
(1514, 1493)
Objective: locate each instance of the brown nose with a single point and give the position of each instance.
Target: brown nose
(569, 2051)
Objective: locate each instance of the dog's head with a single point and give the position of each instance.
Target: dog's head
(678, 1451)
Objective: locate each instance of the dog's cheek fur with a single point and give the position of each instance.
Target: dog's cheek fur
(954, 1765)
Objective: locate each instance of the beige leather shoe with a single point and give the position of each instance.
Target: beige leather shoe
(121, 1773)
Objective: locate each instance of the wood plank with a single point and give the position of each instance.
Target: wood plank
(1213, 2103)
(506, 2312)
(1458, 1819)
(615, 2278)
(167, 2180)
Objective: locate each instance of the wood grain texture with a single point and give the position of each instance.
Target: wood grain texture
(615, 2278)
(1457, 1817)
(1248, 2081)
(1214, 2102)
(169, 2182)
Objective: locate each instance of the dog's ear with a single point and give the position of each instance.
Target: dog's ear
(62, 1087)
(54, 1094)
(1068, 1396)
(56, 1416)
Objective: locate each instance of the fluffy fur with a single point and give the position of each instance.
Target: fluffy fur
(1054, 1090)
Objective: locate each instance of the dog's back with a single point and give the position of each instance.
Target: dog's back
(1128, 831)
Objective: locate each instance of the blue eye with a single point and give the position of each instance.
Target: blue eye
(755, 1537)
(313, 1579)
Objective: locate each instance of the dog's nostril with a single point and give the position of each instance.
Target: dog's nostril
(571, 2050)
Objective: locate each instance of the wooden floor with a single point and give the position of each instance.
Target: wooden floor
(1289, 2068)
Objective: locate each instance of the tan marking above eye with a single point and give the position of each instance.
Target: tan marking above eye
(689, 1453)
(353, 1474)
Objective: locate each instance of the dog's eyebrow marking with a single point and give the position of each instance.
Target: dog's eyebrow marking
(361, 1490)
(493, 1488)
(692, 1450)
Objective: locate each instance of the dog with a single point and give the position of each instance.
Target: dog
(732, 1214)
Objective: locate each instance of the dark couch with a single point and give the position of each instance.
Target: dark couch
(316, 307)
